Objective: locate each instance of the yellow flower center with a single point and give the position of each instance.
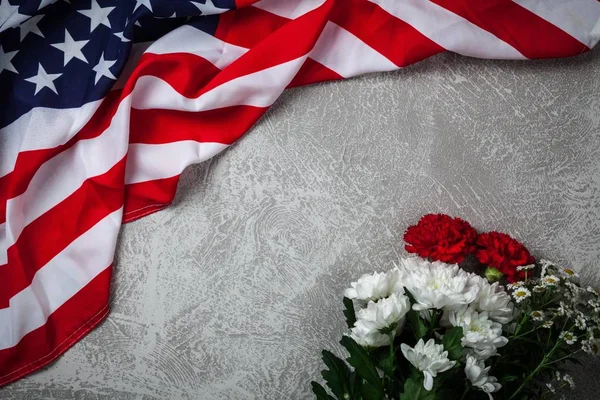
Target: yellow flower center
(569, 271)
(520, 294)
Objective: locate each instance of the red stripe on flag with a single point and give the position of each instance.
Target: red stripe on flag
(531, 35)
(234, 26)
(52, 232)
(145, 198)
(67, 325)
(395, 39)
(222, 125)
(312, 72)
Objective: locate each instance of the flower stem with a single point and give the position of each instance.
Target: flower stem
(465, 392)
(536, 370)
(391, 360)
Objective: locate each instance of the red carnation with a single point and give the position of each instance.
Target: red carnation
(441, 237)
(500, 251)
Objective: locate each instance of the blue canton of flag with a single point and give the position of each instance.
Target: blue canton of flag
(59, 54)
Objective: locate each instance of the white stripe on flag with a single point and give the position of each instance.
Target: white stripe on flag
(580, 19)
(30, 131)
(259, 89)
(344, 53)
(59, 280)
(290, 9)
(187, 39)
(147, 162)
(449, 30)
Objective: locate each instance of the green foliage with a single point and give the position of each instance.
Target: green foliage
(349, 312)
(451, 342)
(363, 363)
(337, 376)
(416, 324)
(414, 390)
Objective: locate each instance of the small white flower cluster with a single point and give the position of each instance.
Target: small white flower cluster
(464, 299)
(578, 308)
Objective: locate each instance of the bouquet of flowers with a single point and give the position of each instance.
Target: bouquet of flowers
(470, 316)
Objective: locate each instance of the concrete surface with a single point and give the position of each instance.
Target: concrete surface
(232, 291)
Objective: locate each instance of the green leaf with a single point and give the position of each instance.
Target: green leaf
(349, 312)
(337, 377)
(320, 392)
(371, 392)
(451, 342)
(416, 323)
(363, 364)
(414, 390)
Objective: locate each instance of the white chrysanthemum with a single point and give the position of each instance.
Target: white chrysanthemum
(563, 309)
(364, 334)
(537, 315)
(430, 358)
(477, 373)
(495, 301)
(386, 312)
(375, 286)
(480, 334)
(374, 319)
(438, 285)
(521, 294)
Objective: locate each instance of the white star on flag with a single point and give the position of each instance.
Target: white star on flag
(71, 48)
(43, 80)
(145, 3)
(44, 3)
(121, 35)
(209, 8)
(30, 26)
(103, 69)
(5, 63)
(6, 10)
(97, 15)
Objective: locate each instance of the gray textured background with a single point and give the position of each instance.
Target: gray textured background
(232, 291)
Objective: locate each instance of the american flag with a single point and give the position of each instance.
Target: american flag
(104, 103)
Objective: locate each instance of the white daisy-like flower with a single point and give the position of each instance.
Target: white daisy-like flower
(480, 334)
(477, 373)
(550, 280)
(592, 290)
(568, 337)
(591, 346)
(537, 315)
(548, 324)
(430, 358)
(521, 294)
(526, 267)
(375, 286)
(569, 380)
(580, 322)
(494, 300)
(438, 285)
(515, 285)
(539, 288)
(568, 272)
(550, 387)
(562, 309)
(591, 332)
